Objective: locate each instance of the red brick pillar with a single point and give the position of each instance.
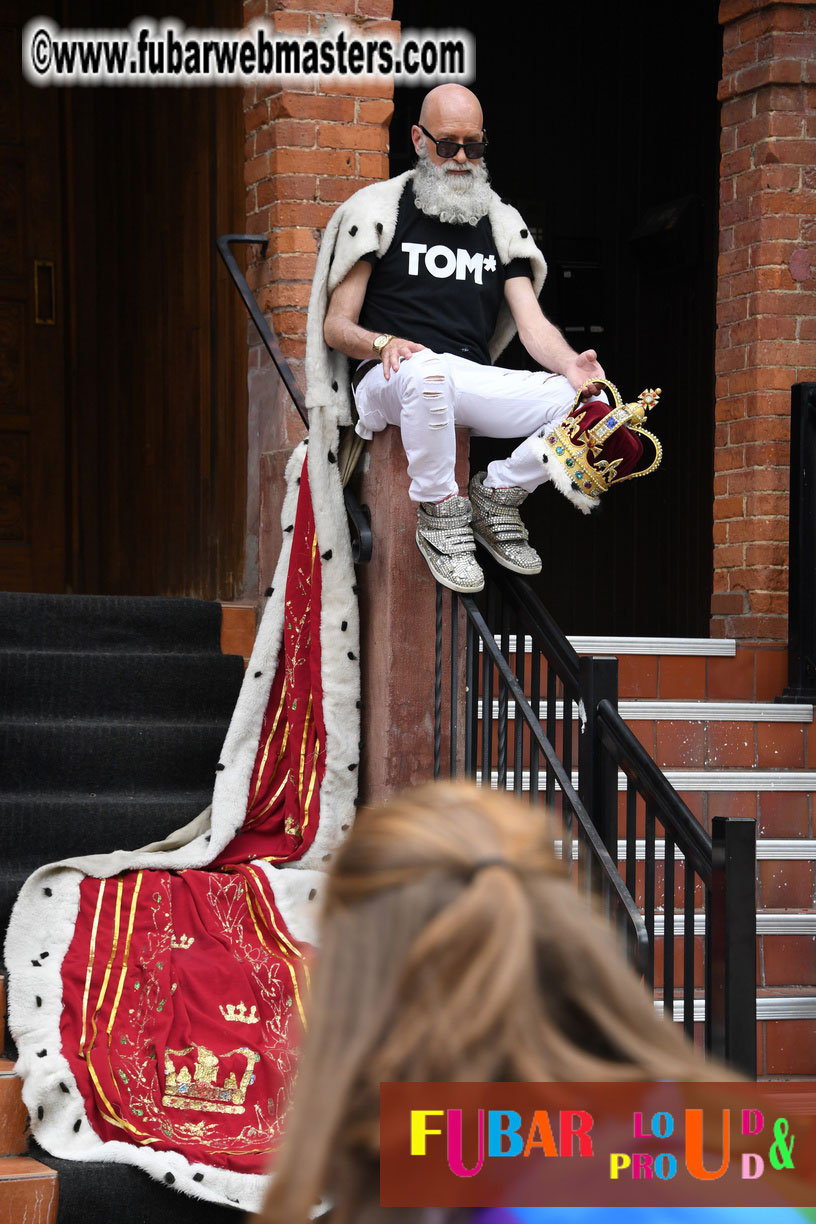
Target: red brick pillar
(766, 306)
(307, 148)
(398, 633)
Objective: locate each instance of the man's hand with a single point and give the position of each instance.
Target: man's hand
(584, 367)
(544, 342)
(394, 351)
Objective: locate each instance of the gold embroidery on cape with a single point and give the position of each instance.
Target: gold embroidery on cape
(307, 723)
(284, 949)
(202, 1090)
(86, 1049)
(267, 746)
(307, 806)
(103, 990)
(182, 942)
(126, 958)
(294, 823)
(239, 1013)
(91, 957)
(131, 1057)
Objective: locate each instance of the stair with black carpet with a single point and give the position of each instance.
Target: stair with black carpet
(113, 711)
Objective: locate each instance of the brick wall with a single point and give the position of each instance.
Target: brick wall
(307, 148)
(766, 306)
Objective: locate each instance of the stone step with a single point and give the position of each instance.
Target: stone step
(740, 743)
(698, 780)
(686, 669)
(786, 949)
(772, 1004)
(13, 1113)
(785, 871)
(238, 628)
(701, 734)
(70, 685)
(685, 711)
(86, 754)
(108, 623)
(40, 825)
(641, 647)
(28, 1191)
(786, 1031)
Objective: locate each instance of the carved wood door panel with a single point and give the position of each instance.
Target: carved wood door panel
(32, 328)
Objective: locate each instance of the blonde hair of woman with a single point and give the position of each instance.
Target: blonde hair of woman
(453, 947)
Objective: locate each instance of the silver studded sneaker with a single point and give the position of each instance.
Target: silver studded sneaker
(498, 527)
(446, 542)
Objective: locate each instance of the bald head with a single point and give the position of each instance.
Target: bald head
(449, 112)
(448, 104)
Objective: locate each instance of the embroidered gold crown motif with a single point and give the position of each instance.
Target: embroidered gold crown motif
(240, 1013)
(201, 1089)
(577, 443)
(183, 942)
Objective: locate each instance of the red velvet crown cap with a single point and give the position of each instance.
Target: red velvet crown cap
(623, 444)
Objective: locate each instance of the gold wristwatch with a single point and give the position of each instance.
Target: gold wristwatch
(380, 343)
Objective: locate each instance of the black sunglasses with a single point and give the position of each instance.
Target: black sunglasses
(474, 149)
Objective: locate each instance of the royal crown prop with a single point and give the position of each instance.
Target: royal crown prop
(599, 445)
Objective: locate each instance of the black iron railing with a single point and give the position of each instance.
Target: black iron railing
(802, 559)
(359, 521)
(526, 714)
(502, 678)
(700, 910)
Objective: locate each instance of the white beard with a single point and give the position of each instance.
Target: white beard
(461, 199)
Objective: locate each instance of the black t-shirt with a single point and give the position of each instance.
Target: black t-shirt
(438, 284)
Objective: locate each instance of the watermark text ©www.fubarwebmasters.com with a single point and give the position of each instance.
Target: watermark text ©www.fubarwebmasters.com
(168, 53)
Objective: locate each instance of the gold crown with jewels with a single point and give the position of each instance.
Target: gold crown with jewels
(598, 445)
(200, 1088)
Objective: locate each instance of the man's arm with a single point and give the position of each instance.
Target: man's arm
(342, 331)
(543, 341)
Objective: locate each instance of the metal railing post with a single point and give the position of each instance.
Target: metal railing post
(471, 698)
(802, 552)
(454, 684)
(733, 942)
(437, 720)
(597, 771)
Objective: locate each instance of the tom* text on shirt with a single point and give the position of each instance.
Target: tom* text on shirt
(442, 262)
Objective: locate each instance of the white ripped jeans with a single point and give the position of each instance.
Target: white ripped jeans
(431, 393)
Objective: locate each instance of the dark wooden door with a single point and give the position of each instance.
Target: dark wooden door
(123, 355)
(32, 327)
(158, 391)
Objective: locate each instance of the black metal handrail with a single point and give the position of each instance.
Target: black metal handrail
(721, 866)
(578, 698)
(359, 519)
(802, 538)
(578, 841)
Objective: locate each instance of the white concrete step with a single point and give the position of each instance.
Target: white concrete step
(685, 711)
(614, 645)
(768, 923)
(699, 779)
(769, 1007)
